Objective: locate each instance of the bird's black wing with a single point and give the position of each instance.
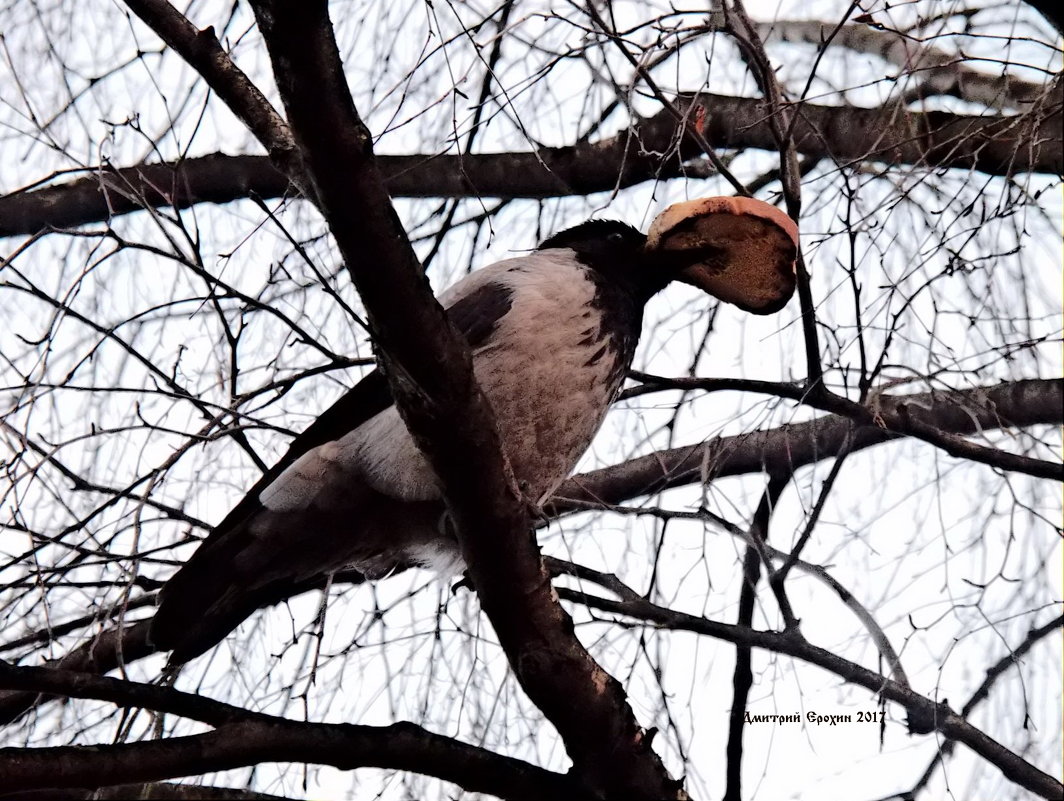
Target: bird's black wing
(187, 619)
(474, 315)
(367, 398)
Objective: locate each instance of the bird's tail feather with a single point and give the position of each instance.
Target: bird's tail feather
(209, 596)
(268, 557)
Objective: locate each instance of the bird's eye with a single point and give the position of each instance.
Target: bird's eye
(616, 238)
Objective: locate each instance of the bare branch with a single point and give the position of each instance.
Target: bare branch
(202, 50)
(157, 791)
(243, 738)
(742, 675)
(925, 715)
(1019, 404)
(845, 134)
(982, 692)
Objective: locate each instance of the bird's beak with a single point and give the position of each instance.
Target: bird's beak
(738, 249)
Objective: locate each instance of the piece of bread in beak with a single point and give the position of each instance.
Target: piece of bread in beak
(744, 248)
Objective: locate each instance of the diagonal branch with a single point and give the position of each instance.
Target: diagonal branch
(981, 693)
(924, 714)
(203, 52)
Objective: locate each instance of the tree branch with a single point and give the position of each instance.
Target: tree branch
(925, 715)
(933, 71)
(203, 52)
(242, 738)
(1016, 404)
(742, 675)
(156, 791)
(999, 145)
(982, 692)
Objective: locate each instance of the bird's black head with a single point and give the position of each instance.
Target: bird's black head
(738, 249)
(613, 249)
(598, 238)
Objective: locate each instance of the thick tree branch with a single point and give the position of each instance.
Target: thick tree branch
(899, 414)
(992, 144)
(1017, 404)
(242, 738)
(101, 654)
(245, 743)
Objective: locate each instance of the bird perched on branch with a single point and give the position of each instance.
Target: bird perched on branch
(552, 335)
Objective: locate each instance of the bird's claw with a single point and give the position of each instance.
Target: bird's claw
(534, 509)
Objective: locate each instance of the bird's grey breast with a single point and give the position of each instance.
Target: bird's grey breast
(554, 363)
(551, 342)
